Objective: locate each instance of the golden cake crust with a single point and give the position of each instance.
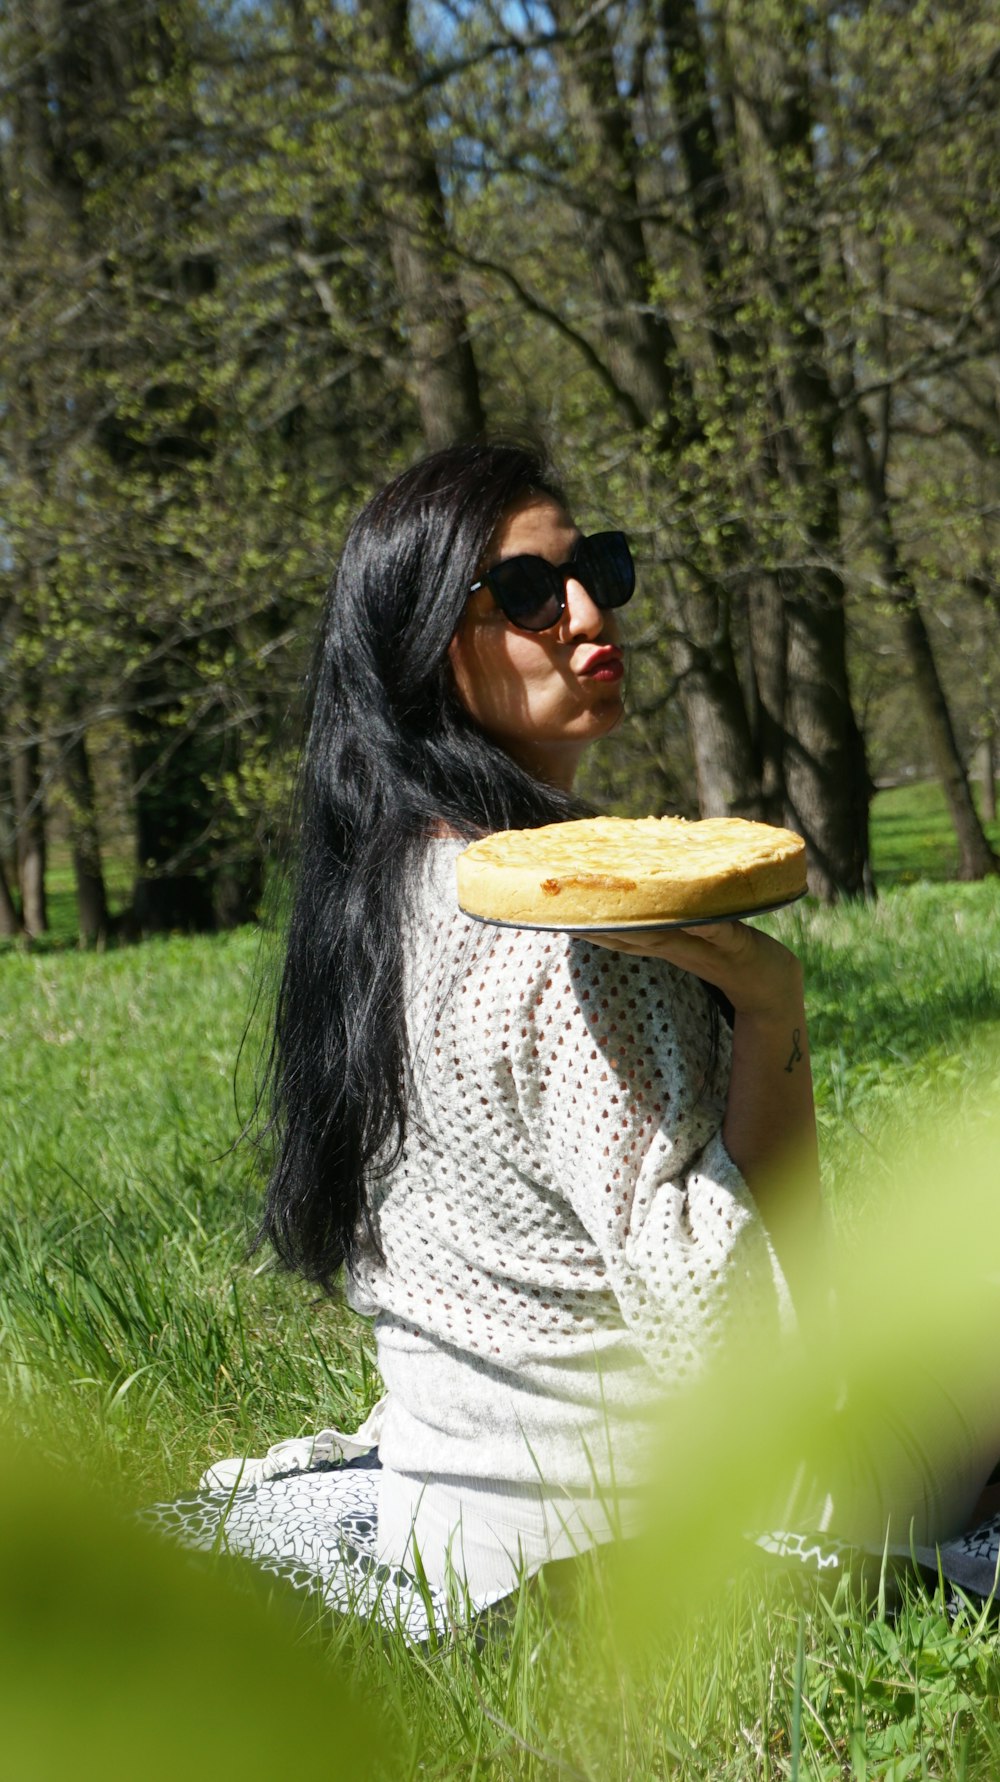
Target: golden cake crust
(615, 870)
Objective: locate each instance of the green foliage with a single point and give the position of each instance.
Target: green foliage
(912, 1694)
(206, 362)
(121, 1141)
(905, 994)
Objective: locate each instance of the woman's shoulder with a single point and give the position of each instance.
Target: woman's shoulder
(432, 873)
(538, 964)
(438, 929)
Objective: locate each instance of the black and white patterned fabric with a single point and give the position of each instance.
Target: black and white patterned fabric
(318, 1530)
(968, 1565)
(316, 1527)
(818, 1553)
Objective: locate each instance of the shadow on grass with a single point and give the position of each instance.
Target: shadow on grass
(847, 1007)
(891, 984)
(912, 837)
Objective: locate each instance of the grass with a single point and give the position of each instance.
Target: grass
(60, 894)
(125, 1272)
(127, 1287)
(134, 1331)
(904, 1007)
(912, 837)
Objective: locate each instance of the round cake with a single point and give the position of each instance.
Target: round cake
(610, 871)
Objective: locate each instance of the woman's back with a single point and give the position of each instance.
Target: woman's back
(563, 1232)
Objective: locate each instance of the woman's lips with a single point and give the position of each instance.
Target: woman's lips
(603, 665)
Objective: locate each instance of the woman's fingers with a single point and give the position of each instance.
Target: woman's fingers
(721, 934)
(682, 947)
(677, 944)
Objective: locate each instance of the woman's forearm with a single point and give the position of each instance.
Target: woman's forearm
(769, 1128)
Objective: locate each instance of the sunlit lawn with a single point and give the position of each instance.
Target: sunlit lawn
(134, 1332)
(912, 837)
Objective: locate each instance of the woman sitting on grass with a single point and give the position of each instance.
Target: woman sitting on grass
(546, 1169)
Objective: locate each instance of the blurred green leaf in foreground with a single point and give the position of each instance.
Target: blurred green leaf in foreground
(894, 1402)
(122, 1658)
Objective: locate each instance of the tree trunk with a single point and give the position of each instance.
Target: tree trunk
(976, 858)
(987, 750)
(714, 709)
(10, 921)
(8, 816)
(184, 879)
(983, 585)
(636, 339)
(173, 813)
(647, 368)
(769, 680)
(237, 891)
(91, 896)
(445, 380)
(698, 139)
(825, 772)
(26, 774)
(713, 198)
(722, 747)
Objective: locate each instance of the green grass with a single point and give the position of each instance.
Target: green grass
(125, 1285)
(127, 1281)
(134, 1331)
(912, 837)
(904, 1009)
(60, 895)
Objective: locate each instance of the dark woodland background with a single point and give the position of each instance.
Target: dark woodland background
(737, 265)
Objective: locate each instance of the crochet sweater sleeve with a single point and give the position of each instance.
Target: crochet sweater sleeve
(618, 1070)
(563, 1226)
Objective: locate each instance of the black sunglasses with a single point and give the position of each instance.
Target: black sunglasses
(531, 592)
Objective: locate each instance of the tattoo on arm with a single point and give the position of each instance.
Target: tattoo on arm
(796, 1054)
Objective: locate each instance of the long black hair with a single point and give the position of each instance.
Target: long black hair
(390, 754)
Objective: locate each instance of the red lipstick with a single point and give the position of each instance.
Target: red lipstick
(603, 665)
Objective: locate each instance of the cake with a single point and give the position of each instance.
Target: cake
(609, 871)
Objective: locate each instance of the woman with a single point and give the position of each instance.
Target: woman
(549, 1175)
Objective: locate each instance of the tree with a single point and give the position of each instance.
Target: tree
(738, 265)
(442, 366)
(884, 281)
(691, 392)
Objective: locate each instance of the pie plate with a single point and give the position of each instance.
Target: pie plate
(652, 927)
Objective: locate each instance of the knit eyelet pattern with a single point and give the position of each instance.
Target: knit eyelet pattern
(564, 1235)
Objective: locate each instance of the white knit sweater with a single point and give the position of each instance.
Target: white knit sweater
(565, 1232)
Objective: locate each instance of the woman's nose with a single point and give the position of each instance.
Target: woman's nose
(583, 616)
